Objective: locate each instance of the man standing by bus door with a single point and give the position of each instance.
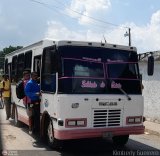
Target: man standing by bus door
(32, 90)
(27, 100)
(7, 95)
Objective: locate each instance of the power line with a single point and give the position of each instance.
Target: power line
(57, 8)
(95, 19)
(51, 7)
(93, 24)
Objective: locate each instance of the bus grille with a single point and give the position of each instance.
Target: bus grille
(106, 118)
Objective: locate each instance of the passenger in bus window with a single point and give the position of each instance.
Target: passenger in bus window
(7, 95)
(32, 90)
(27, 100)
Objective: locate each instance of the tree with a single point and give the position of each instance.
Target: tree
(5, 51)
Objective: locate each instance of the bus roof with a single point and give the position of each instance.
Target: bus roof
(48, 42)
(95, 44)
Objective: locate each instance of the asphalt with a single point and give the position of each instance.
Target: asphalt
(152, 128)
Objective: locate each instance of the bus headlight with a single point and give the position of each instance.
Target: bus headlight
(133, 120)
(78, 122)
(81, 123)
(138, 119)
(71, 123)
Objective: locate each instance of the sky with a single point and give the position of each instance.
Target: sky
(23, 22)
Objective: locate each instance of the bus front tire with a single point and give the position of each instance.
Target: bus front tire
(52, 142)
(120, 140)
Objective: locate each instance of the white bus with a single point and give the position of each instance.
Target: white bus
(89, 89)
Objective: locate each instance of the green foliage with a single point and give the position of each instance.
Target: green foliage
(5, 51)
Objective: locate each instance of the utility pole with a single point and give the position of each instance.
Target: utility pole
(128, 33)
(129, 30)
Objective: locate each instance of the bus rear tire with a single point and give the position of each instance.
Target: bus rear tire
(120, 140)
(52, 142)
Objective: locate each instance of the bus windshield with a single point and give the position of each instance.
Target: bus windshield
(92, 70)
(82, 68)
(124, 70)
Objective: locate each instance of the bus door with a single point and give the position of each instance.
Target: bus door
(48, 79)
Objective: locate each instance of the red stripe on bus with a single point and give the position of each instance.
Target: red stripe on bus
(99, 132)
(23, 119)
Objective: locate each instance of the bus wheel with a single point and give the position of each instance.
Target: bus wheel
(16, 121)
(120, 140)
(52, 142)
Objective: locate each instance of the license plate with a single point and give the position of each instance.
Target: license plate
(107, 134)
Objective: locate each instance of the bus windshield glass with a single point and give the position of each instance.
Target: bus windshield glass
(124, 70)
(92, 70)
(82, 68)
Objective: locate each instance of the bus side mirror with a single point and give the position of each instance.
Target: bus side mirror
(140, 76)
(150, 68)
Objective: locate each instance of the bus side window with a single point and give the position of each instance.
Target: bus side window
(48, 76)
(37, 64)
(6, 66)
(28, 60)
(20, 66)
(14, 69)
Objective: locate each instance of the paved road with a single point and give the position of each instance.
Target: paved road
(17, 141)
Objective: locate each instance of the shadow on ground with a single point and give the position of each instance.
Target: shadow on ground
(86, 147)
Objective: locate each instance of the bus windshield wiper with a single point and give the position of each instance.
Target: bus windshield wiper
(128, 97)
(115, 85)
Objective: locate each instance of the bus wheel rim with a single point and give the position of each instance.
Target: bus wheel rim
(50, 132)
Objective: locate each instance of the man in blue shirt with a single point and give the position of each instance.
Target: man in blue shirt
(32, 90)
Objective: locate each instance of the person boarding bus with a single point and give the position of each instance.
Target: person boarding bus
(32, 90)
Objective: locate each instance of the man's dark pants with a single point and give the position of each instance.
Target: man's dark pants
(36, 117)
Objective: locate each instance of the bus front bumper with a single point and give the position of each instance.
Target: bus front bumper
(99, 132)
